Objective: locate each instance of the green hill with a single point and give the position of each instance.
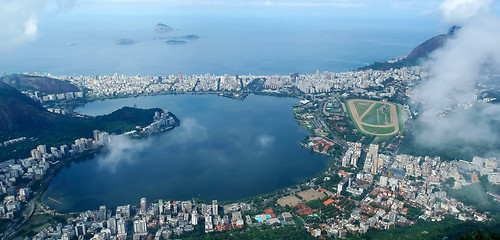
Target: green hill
(47, 85)
(417, 55)
(20, 116)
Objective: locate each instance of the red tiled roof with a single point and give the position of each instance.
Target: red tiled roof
(321, 190)
(268, 211)
(329, 201)
(475, 179)
(304, 210)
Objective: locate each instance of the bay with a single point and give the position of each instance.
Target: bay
(225, 149)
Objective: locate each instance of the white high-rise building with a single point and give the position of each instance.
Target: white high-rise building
(144, 206)
(96, 135)
(80, 143)
(215, 207)
(120, 226)
(123, 212)
(42, 149)
(80, 229)
(347, 158)
(55, 152)
(36, 154)
(64, 150)
(140, 226)
(103, 213)
(160, 206)
(112, 225)
(104, 138)
(194, 218)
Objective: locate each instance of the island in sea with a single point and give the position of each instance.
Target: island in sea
(179, 40)
(175, 42)
(161, 28)
(125, 41)
(187, 37)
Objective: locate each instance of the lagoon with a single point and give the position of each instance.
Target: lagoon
(225, 149)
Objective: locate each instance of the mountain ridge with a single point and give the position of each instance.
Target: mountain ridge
(418, 54)
(23, 82)
(18, 111)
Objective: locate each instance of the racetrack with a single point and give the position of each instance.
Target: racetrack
(357, 117)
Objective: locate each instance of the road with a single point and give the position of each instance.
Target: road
(16, 224)
(336, 138)
(319, 117)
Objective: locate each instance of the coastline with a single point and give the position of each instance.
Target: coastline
(55, 166)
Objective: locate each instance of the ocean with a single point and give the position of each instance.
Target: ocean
(228, 44)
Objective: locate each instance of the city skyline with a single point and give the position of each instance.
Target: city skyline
(387, 118)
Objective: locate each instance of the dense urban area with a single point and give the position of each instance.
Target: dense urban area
(369, 184)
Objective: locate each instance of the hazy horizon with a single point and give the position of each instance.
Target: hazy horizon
(236, 37)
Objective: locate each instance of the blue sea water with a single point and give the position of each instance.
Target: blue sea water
(228, 44)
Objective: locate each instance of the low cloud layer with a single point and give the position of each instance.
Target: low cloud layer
(265, 141)
(450, 110)
(191, 131)
(122, 150)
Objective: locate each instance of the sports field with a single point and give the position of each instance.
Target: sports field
(375, 118)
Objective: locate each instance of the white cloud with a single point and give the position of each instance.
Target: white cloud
(455, 71)
(121, 150)
(30, 28)
(458, 12)
(265, 140)
(19, 19)
(191, 131)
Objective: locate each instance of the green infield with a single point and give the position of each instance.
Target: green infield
(374, 117)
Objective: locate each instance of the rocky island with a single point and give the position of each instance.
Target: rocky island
(160, 27)
(187, 37)
(124, 41)
(175, 42)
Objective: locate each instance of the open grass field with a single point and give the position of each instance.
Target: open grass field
(362, 106)
(374, 117)
(34, 225)
(288, 201)
(311, 194)
(379, 114)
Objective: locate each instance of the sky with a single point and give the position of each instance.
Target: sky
(345, 8)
